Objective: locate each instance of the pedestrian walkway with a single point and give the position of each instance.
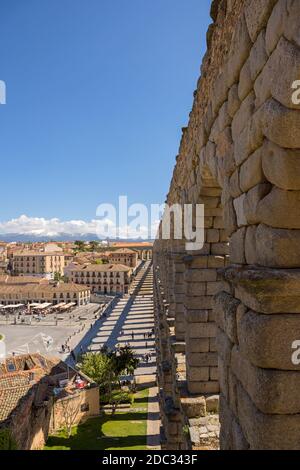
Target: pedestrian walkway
(153, 420)
(131, 322)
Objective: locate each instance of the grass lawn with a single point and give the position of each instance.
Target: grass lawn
(123, 431)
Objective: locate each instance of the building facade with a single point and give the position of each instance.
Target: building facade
(103, 278)
(37, 263)
(44, 293)
(124, 256)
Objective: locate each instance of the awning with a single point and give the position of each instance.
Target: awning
(10, 306)
(43, 306)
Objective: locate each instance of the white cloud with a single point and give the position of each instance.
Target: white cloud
(39, 226)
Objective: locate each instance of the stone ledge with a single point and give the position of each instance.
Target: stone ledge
(266, 290)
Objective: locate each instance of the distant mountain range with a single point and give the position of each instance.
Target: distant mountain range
(62, 237)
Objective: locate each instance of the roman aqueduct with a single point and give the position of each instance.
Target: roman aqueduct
(228, 316)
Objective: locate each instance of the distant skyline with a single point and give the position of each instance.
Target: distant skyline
(97, 94)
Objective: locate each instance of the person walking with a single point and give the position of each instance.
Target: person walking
(132, 335)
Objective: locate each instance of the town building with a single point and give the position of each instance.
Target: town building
(37, 397)
(143, 249)
(103, 278)
(38, 263)
(124, 256)
(54, 293)
(8, 280)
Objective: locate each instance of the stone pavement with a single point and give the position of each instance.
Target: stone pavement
(153, 421)
(130, 322)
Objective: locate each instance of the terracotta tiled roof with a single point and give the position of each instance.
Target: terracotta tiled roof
(30, 374)
(102, 268)
(40, 288)
(38, 253)
(28, 370)
(12, 280)
(132, 244)
(124, 251)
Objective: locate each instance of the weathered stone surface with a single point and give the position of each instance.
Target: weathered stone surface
(275, 26)
(198, 373)
(245, 82)
(202, 330)
(194, 407)
(237, 246)
(239, 52)
(279, 209)
(252, 200)
(224, 152)
(266, 340)
(213, 372)
(278, 75)
(204, 387)
(251, 172)
(243, 115)
(220, 92)
(197, 345)
(224, 118)
(266, 290)
(239, 206)
(224, 347)
(251, 138)
(203, 360)
(280, 124)
(234, 102)
(291, 27)
(281, 166)
(200, 275)
(213, 236)
(257, 13)
(216, 261)
(251, 255)
(230, 221)
(223, 376)
(284, 20)
(258, 56)
(272, 391)
(212, 404)
(267, 432)
(213, 288)
(195, 288)
(234, 188)
(195, 316)
(279, 248)
(225, 308)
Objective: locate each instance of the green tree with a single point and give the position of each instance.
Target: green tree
(100, 368)
(57, 276)
(79, 245)
(94, 245)
(7, 442)
(124, 360)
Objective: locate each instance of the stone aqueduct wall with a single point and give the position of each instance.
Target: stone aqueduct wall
(227, 316)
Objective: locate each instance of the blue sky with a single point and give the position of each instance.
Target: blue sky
(97, 93)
